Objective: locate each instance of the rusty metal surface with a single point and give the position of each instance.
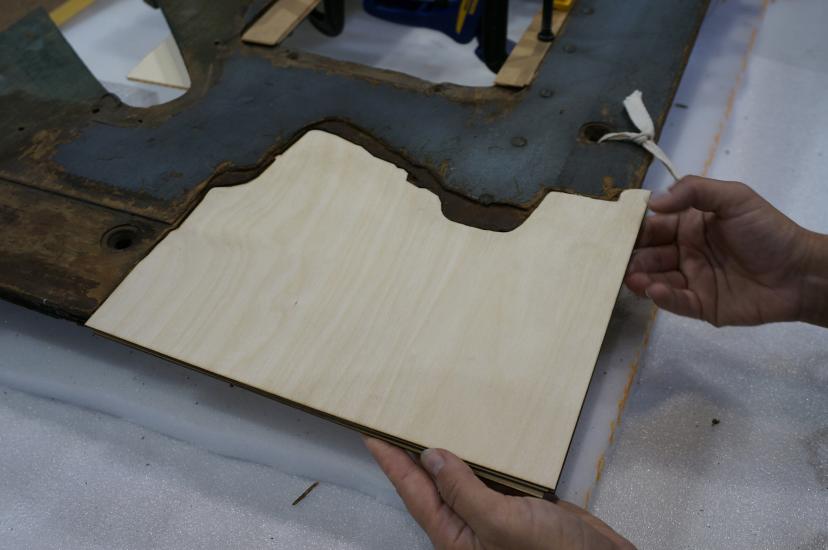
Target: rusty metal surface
(490, 154)
(65, 256)
(14, 10)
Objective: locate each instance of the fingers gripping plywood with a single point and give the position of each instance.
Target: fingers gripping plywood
(332, 282)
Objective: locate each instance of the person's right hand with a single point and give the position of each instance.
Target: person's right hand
(717, 251)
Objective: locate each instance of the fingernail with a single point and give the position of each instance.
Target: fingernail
(432, 461)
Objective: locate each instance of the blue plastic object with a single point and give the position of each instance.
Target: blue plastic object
(459, 19)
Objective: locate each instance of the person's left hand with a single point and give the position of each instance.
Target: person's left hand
(457, 510)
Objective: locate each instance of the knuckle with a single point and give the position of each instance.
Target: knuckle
(739, 187)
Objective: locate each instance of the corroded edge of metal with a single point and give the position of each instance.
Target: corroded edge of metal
(489, 154)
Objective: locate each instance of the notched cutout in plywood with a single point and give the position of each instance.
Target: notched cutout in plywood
(331, 282)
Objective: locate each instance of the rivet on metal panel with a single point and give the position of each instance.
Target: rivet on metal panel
(519, 141)
(546, 92)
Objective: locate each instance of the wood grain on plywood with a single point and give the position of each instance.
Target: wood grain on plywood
(522, 64)
(164, 66)
(278, 21)
(332, 282)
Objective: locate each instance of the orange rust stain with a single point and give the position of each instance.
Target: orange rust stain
(443, 168)
(634, 364)
(609, 188)
(609, 184)
(43, 144)
(731, 98)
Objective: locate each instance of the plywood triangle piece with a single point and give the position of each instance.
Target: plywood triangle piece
(163, 66)
(334, 284)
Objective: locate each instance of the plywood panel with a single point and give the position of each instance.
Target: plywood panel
(522, 64)
(163, 66)
(332, 282)
(278, 21)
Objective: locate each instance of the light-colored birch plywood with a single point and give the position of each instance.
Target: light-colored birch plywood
(332, 282)
(278, 21)
(164, 66)
(522, 64)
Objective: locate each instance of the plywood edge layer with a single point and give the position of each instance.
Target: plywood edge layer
(521, 66)
(278, 21)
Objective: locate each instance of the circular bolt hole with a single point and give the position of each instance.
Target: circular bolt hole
(519, 141)
(96, 110)
(121, 237)
(216, 42)
(591, 132)
(546, 93)
(21, 128)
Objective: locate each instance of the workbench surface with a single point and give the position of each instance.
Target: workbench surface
(102, 446)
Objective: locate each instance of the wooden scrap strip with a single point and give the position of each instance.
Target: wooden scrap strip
(278, 21)
(67, 10)
(521, 66)
(301, 497)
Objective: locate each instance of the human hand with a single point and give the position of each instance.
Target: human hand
(459, 511)
(717, 251)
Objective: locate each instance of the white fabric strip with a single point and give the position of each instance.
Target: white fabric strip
(634, 104)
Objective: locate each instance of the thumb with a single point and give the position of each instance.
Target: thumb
(460, 489)
(724, 198)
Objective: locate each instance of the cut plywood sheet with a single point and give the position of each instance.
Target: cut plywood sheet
(164, 66)
(278, 21)
(522, 64)
(331, 282)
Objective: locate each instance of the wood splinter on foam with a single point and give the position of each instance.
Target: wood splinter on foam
(305, 493)
(333, 284)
